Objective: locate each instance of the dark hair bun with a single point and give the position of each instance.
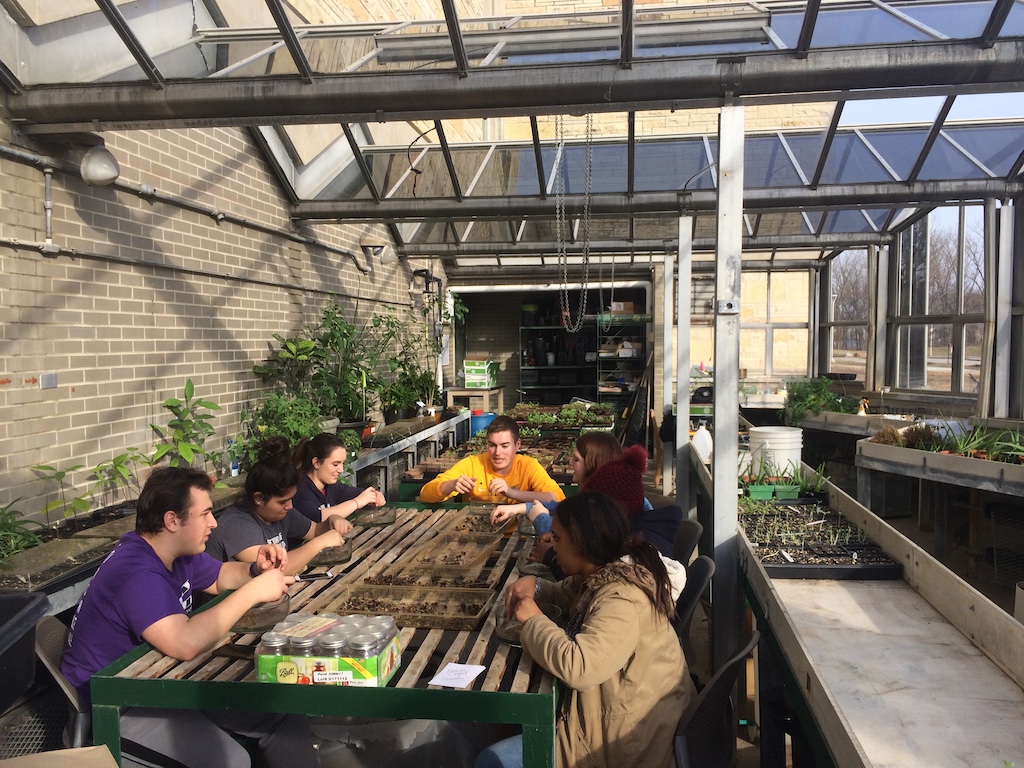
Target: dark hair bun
(275, 449)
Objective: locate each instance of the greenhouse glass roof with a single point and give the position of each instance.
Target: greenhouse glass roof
(466, 135)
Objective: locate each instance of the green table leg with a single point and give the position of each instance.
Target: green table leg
(106, 728)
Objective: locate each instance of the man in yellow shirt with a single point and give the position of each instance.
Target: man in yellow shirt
(500, 475)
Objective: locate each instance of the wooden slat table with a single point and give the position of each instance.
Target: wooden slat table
(512, 690)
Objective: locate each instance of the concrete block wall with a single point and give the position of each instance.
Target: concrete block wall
(154, 295)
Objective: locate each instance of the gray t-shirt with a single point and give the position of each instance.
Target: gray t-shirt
(239, 529)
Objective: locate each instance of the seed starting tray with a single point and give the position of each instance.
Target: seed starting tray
(431, 608)
(476, 518)
(454, 578)
(464, 550)
(373, 516)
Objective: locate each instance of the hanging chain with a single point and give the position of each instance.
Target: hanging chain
(561, 225)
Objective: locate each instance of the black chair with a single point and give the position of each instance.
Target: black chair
(698, 576)
(51, 639)
(685, 543)
(706, 735)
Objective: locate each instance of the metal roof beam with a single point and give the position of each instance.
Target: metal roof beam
(767, 242)
(866, 195)
(589, 87)
(451, 16)
(627, 42)
(448, 160)
(803, 44)
(131, 42)
(995, 22)
(360, 158)
(291, 40)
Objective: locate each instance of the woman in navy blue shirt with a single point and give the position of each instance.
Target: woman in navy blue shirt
(321, 460)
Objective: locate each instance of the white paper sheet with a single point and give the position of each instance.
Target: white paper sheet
(457, 675)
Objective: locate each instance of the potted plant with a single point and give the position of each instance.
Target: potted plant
(346, 379)
(756, 481)
(277, 414)
(814, 396)
(292, 365)
(787, 485)
(186, 433)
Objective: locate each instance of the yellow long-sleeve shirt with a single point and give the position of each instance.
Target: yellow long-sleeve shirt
(526, 474)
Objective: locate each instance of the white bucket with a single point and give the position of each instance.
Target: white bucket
(777, 449)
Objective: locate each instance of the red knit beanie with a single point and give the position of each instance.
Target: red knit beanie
(622, 479)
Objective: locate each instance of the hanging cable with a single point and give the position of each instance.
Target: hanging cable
(561, 224)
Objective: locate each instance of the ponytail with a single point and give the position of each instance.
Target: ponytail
(646, 555)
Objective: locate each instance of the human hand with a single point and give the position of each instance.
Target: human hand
(521, 588)
(378, 498)
(525, 609)
(339, 524)
(270, 585)
(541, 546)
(368, 496)
(330, 538)
(498, 487)
(463, 484)
(270, 556)
(503, 513)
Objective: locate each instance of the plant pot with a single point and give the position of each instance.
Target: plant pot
(761, 492)
(787, 491)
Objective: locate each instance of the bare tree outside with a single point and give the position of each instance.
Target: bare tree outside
(849, 312)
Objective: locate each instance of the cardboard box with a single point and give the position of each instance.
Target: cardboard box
(374, 672)
(479, 367)
(622, 308)
(482, 380)
(82, 757)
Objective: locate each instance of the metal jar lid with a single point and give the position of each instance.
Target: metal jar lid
(363, 643)
(274, 640)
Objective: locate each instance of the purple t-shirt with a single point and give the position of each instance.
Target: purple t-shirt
(309, 499)
(131, 591)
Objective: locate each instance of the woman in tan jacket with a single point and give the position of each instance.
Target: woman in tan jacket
(625, 682)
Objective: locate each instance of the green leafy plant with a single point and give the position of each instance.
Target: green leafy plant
(186, 433)
(353, 442)
(811, 481)
(1008, 446)
(121, 473)
(16, 534)
(77, 504)
(814, 396)
(346, 380)
(292, 365)
(277, 414)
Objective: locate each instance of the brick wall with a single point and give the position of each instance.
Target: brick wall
(158, 295)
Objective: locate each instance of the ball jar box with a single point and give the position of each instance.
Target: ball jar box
(370, 667)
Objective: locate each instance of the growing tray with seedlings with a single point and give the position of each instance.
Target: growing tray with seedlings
(430, 607)
(368, 517)
(812, 541)
(476, 518)
(457, 578)
(462, 550)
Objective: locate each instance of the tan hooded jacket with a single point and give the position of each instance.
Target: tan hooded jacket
(626, 678)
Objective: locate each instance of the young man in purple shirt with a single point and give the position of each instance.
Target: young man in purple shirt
(144, 592)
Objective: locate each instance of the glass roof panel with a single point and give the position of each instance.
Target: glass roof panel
(850, 162)
(510, 171)
(986, 106)
(957, 20)
(608, 167)
(333, 55)
(946, 162)
(476, 261)
(899, 147)
(656, 228)
(679, 164)
(497, 232)
(466, 161)
(348, 184)
(766, 164)
(996, 146)
(851, 220)
(779, 223)
(806, 148)
(1014, 24)
(786, 24)
(432, 232)
(388, 167)
(859, 26)
(918, 109)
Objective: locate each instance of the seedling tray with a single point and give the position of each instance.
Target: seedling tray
(462, 550)
(835, 562)
(432, 608)
(440, 577)
(476, 518)
(373, 516)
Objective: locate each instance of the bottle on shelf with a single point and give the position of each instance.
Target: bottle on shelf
(703, 443)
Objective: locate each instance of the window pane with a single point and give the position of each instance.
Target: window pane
(849, 350)
(972, 358)
(925, 359)
(791, 301)
(754, 290)
(789, 351)
(861, 25)
(943, 263)
(995, 146)
(974, 260)
(850, 162)
(752, 351)
(850, 286)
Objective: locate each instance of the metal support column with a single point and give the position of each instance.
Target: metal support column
(726, 601)
(1004, 312)
(984, 407)
(668, 363)
(682, 399)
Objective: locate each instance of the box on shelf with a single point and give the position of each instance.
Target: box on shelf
(481, 381)
(622, 308)
(372, 672)
(479, 367)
